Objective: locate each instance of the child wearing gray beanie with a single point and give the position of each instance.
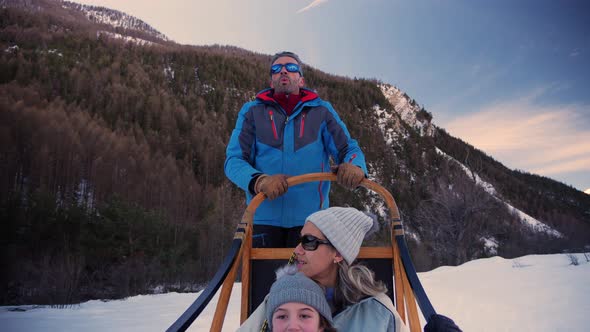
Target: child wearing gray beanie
(293, 286)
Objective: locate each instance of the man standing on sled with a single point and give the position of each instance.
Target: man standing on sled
(288, 130)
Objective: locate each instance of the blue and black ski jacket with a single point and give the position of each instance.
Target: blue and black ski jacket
(267, 141)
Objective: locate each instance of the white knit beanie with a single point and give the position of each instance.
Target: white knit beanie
(344, 227)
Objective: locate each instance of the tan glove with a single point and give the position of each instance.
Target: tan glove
(272, 186)
(349, 175)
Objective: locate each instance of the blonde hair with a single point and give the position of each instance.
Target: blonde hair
(355, 282)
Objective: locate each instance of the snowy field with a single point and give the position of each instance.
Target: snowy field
(531, 293)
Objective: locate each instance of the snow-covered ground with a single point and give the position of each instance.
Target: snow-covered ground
(530, 293)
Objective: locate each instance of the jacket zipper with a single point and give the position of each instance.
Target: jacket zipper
(302, 125)
(272, 123)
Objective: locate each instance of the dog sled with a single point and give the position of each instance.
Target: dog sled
(392, 265)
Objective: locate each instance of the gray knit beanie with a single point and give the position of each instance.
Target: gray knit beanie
(290, 55)
(293, 286)
(345, 228)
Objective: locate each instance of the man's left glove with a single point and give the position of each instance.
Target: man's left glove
(349, 175)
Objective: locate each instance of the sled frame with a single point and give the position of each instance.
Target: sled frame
(405, 300)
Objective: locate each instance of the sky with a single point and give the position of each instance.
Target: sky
(509, 77)
(531, 293)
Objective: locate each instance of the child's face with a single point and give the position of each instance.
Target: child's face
(295, 316)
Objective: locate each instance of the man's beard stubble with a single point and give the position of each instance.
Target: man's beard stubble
(286, 89)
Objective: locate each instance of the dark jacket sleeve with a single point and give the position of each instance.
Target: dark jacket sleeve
(240, 151)
(340, 144)
(440, 323)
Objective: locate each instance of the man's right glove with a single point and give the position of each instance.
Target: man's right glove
(349, 176)
(272, 186)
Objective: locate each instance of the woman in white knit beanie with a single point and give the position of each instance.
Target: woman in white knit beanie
(330, 243)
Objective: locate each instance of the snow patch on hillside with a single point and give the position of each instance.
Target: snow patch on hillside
(529, 221)
(114, 18)
(489, 188)
(407, 109)
(534, 223)
(490, 245)
(386, 122)
(169, 72)
(56, 52)
(14, 49)
(126, 39)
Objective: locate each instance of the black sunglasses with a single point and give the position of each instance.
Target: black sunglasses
(291, 67)
(311, 243)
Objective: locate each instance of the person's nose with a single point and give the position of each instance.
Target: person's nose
(293, 326)
(299, 250)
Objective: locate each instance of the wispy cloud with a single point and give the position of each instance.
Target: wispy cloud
(575, 53)
(315, 3)
(523, 134)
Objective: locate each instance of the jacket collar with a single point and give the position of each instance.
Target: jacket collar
(306, 95)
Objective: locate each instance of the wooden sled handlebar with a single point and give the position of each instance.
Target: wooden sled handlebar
(314, 177)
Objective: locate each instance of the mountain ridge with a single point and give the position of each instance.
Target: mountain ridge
(115, 19)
